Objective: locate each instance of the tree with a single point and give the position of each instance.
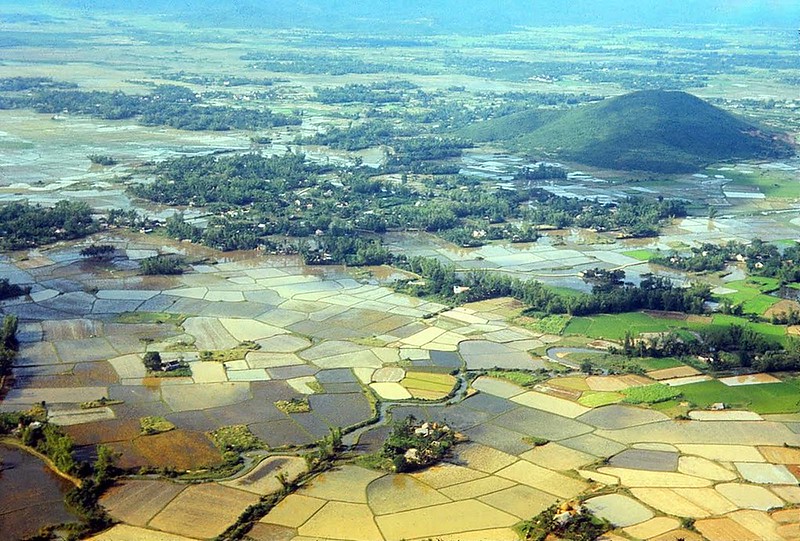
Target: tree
(104, 465)
(162, 264)
(97, 251)
(152, 361)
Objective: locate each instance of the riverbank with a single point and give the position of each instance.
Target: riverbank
(12, 442)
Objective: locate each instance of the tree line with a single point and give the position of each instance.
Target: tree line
(167, 105)
(653, 293)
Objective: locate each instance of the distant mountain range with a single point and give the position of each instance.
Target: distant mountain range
(431, 16)
(656, 131)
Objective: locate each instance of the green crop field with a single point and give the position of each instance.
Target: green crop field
(764, 398)
(751, 294)
(650, 394)
(614, 326)
(773, 184)
(641, 255)
(599, 398)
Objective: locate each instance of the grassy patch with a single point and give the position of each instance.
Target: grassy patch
(103, 402)
(774, 185)
(641, 255)
(236, 438)
(613, 327)
(565, 291)
(226, 355)
(751, 294)
(151, 317)
(371, 341)
(650, 394)
(374, 461)
(546, 324)
(315, 386)
(294, 405)
(155, 425)
(535, 441)
(673, 408)
(765, 398)
(518, 377)
(596, 399)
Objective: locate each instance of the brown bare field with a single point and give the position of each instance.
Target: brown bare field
(104, 431)
(724, 529)
(781, 455)
(71, 329)
(136, 502)
(96, 374)
(686, 535)
(123, 532)
(203, 510)
(263, 478)
(669, 373)
(782, 308)
(178, 449)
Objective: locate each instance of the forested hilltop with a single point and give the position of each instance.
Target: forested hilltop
(652, 130)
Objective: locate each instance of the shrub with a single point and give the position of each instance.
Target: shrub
(155, 425)
(152, 361)
(295, 405)
(97, 251)
(162, 265)
(237, 438)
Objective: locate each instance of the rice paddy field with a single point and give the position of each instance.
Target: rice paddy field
(257, 330)
(310, 341)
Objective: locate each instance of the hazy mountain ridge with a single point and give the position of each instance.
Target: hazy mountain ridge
(658, 131)
(453, 15)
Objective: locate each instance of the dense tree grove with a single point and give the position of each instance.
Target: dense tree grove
(359, 137)
(162, 265)
(167, 105)
(26, 226)
(378, 93)
(726, 347)
(251, 199)
(235, 181)
(20, 84)
(634, 216)
(414, 445)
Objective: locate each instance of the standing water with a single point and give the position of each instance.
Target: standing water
(31, 495)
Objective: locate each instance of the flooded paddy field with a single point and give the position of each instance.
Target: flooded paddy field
(331, 338)
(31, 495)
(256, 331)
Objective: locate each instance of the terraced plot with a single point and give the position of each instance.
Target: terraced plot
(310, 342)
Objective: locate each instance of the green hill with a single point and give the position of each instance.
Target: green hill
(657, 131)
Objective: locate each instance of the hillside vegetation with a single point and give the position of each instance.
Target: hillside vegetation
(657, 131)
